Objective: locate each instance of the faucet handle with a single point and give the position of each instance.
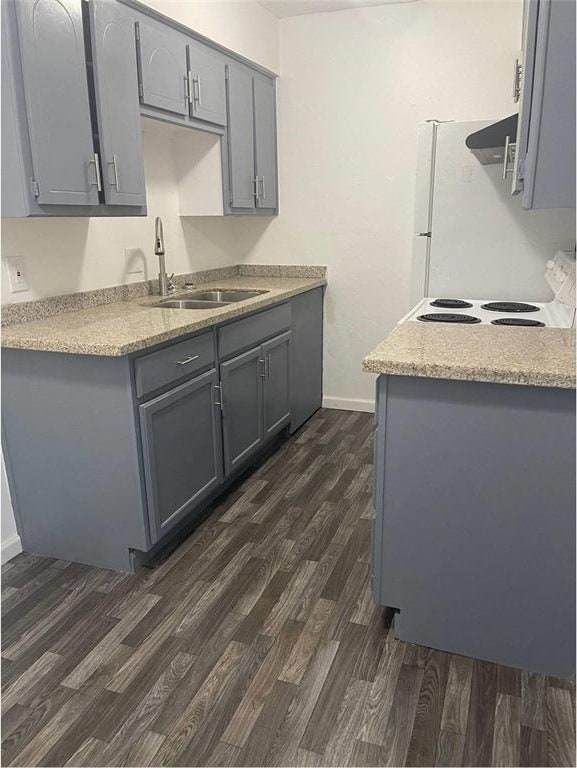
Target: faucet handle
(172, 286)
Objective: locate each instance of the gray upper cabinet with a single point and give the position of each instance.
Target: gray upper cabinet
(163, 68)
(77, 75)
(251, 142)
(182, 451)
(206, 84)
(116, 89)
(241, 138)
(276, 394)
(545, 149)
(265, 143)
(241, 391)
(57, 105)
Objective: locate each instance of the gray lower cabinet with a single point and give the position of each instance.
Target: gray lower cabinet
(255, 390)
(241, 391)
(162, 67)
(544, 171)
(118, 110)
(277, 383)
(307, 356)
(474, 530)
(51, 37)
(182, 454)
(107, 456)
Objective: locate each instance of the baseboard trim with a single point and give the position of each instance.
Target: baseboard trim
(10, 548)
(349, 404)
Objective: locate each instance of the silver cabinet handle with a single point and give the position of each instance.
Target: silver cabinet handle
(509, 151)
(262, 372)
(219, 403)
(188, 360)
(255, 182)
(517, 71)
(114, 164)
(187, 88)
(268, 366)
(263, 188)
(198, 91)
(96, 161)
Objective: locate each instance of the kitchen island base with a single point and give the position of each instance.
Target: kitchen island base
(474, 533)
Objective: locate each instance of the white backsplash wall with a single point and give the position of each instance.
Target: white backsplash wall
(354, 85)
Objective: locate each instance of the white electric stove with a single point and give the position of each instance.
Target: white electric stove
(558, 313)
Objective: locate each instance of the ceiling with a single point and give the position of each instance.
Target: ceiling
(283, 8)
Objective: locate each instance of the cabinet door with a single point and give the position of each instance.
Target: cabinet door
(56, 91)
(545, 153)
(265, 143)
(277, 367)
(241, 138)
(241, 391)
(163, 78)
(182, 451)
(207, 88)
(116, 85)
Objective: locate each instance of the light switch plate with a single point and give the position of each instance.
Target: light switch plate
(17, 274)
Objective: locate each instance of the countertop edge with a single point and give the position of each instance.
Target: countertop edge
(234, 312)
(462, 373)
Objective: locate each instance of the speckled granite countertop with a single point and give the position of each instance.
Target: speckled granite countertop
(121, 327)
(539, 357)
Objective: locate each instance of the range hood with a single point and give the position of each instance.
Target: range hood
(488, 144)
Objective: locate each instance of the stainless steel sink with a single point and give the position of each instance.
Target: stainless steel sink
(224, 296)
(208, 299)
(187, 304)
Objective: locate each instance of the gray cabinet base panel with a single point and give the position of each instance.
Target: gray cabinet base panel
(475, 519)
(77, 499)
(307, 356)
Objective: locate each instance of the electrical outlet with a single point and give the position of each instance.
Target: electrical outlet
(17, 274)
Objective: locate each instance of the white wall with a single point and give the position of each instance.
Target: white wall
(354, 85)
(243, 26)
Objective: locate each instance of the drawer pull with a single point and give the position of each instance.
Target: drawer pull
(188, 360)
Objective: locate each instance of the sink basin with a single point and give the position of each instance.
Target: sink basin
(187, 304)
(208, 299)
(224, 296)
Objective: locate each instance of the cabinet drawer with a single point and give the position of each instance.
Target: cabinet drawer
(252, 330)
(176, 362)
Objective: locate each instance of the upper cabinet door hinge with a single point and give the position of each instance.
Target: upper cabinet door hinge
(35, 188)
(140, 90)
(137, 30)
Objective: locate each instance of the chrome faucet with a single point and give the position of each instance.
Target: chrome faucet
(166, 284)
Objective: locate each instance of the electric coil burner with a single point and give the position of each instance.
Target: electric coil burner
(447, 317)
(509, 306)
(518, 321)
(560, 276)
(451, 304)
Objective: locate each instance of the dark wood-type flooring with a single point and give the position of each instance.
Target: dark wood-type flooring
(255, 642)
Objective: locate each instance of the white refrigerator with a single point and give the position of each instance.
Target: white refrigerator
(472, 238)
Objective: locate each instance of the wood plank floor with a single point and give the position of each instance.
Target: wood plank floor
(255, 642)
